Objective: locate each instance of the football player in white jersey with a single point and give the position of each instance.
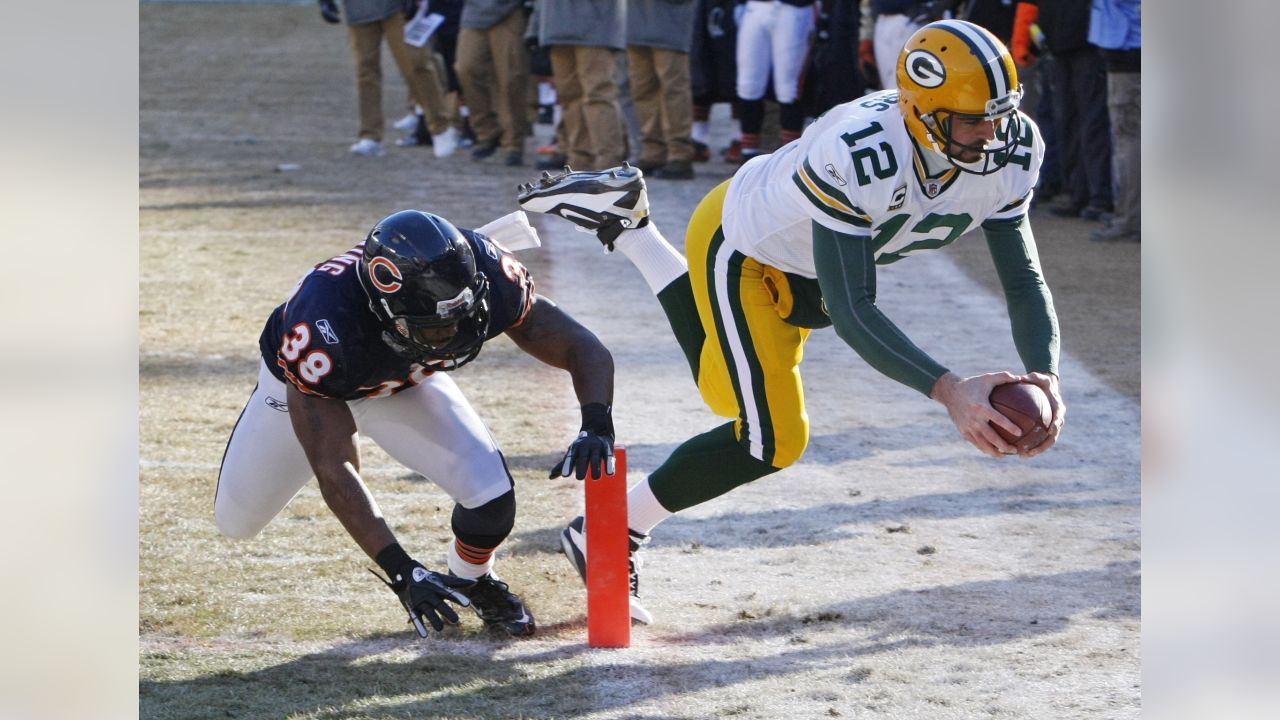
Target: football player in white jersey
(791, 243)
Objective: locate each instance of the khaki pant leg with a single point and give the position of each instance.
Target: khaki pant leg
(574, 141)
(476, 71)
(596, 71)
(421, 71)
(646, 93)
(366, 46)
(511, 94)
(672, 68)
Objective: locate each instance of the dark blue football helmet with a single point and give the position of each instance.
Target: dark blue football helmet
(421, 278)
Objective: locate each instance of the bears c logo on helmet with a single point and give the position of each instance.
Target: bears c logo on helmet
(925, 68)
(387, 287)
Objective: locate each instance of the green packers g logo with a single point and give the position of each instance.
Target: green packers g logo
(925, 68)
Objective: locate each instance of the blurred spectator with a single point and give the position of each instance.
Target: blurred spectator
(998, 16)
(659, 36)
(713, 72)
(627, 108)
(368, 23)
(1035, 70)
(584, 36)
(867, 46)
(436, 59)
(1079, 103)
(885, 27)
(773, 43)
(1116, 27)
(493, 67)
(446, 41)
(994, 15)
(834, 75)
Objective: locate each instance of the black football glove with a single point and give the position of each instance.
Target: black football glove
(424, 594)
(329, 11)
(593, 445)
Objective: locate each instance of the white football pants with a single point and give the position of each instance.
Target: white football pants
(430, 428)
(891, 35)
(772, 36)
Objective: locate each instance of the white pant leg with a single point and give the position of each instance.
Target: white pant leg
(790, 43)
(753, 50)
(432, 429)
(891, 34)
(264, 465)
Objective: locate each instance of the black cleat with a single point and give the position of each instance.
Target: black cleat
(499, 608)
(604, 203)
(573, 541)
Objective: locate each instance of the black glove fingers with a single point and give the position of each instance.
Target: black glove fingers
(562, 467)
(429, 613)
(596, 458)
(450, 615)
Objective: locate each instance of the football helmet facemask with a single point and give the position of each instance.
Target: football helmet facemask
(420, 275)
(952, 69)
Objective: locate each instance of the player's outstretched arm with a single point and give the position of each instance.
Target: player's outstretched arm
(555, 338)
(846, 273)
(1032, 316)
(327, 432)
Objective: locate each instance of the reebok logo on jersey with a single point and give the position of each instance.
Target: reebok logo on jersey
(831, 170)
(275, 404)
(326, 332)
(925, 68)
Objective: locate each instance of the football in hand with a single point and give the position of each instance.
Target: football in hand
(1028, 407)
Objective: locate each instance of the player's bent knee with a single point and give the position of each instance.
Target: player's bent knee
(488, 525)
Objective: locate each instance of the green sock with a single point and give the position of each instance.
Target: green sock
(705, 466)
(682, 313)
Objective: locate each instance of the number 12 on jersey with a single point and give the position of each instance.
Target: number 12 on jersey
(883, 164)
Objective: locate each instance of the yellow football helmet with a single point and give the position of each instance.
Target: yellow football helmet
(954, 69)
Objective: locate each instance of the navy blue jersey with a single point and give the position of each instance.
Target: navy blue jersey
(326, 341)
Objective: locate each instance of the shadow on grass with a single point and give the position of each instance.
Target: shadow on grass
(793, 527)
(479, 679)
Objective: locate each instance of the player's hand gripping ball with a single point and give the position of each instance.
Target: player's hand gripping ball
(1028, 407)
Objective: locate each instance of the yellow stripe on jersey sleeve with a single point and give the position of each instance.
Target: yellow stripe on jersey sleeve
(827, 199)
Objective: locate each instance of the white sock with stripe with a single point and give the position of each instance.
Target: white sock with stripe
(644, 512)
(465, 569)
(653, 256)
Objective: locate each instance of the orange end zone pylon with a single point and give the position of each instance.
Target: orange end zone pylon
(608, 582)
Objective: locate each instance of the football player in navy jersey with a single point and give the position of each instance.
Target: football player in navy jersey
(364, 345)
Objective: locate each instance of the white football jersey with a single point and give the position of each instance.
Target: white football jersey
(858, 171)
